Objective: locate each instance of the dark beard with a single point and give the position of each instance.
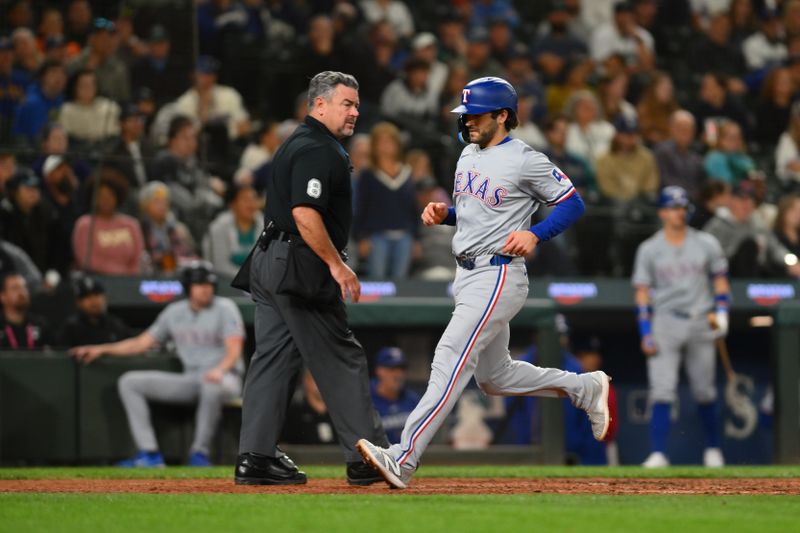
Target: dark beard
(486, 136)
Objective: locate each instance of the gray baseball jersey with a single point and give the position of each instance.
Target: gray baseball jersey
(679, 275)
(497, 190)
(199, 337)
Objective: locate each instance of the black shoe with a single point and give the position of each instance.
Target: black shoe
(362, 474)
(257, 469)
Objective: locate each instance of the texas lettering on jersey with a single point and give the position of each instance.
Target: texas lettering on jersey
(472, 184)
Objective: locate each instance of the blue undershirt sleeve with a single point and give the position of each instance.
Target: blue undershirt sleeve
(563, 216)
(450, 219)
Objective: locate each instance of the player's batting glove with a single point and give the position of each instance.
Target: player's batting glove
(721, 320)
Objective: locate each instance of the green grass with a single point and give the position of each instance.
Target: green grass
(321, 472)
(241, 513)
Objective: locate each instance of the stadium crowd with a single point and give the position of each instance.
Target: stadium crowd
(123, 152)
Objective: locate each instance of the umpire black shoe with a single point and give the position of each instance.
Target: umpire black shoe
(362, 474)
(257, 469)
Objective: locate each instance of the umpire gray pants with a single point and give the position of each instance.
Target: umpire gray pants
(138, 387)
(289, 333)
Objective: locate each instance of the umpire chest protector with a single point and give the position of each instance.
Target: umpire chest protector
(311, 169)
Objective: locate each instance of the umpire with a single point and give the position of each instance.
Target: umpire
(299, 280)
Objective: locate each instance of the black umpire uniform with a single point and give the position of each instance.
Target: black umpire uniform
(300, 316)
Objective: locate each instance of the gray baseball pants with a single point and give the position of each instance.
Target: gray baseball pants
(687, 340)
(475, 342)
(136, 388)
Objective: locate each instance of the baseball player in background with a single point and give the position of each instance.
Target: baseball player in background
(208, 333)
(499, 184)
(679, 276)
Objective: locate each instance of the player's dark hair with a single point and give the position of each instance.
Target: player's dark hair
(511, 121)
(4, 277)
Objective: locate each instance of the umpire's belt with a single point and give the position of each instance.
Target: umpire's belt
(468, 263)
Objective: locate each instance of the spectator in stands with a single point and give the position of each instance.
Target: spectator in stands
(59, 189)
(160, 70)
(435, 260)
(787, 154)
(410, 99)
(8, 167)
(713, 196)
(501, 39)
(557, 46)
(113, 79)
(773, 111)
(424, 46)
(452, 36)
(791, 18)
(765, 48)
(359, 150)
(715, 103)
(483, 11)
(318, 51)
(624, 37)
(728, 161)
(386, 216)
(19, 329)
(131, 154)
(588, 136)
(88, 117)
(27, 221)
(576, 79)
(656, 107)
(520, 74)
(12, 89)
(393, 400)
(195, 194)
(264, 145)
(42, 101)
(55, 49)
(208, 334)
(79, 21)
(51, 25)
(56, 142)
(579, 171)
(751, 249)
(612, 94)
(628, 171)
(167, 240)
(208, 102)
(478, 55)
(232, 235)
(105, 241)
(18, 14)
(787, 223)
(393, 11)
(130, 47)
(527, 130)
(715, 51)
(372, 63)
(743, 20)
(678, 162)
(28, 58)
(92, 323)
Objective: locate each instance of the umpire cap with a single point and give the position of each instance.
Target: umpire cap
(198, 272)
(484, 95)
(673, 196)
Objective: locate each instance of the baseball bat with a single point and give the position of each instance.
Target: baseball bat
(725, 357)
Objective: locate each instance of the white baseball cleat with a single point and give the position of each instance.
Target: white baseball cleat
(656, 460)
(712, 458)
(382, 461)
(598, 412)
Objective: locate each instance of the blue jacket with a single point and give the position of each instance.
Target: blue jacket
(35, 112)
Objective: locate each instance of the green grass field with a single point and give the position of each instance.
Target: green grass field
(394, 511)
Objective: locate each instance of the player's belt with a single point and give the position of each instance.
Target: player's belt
(468, 263)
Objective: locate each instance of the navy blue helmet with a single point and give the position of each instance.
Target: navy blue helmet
(487, 94)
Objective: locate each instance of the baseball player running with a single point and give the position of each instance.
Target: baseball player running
(679, 276)
(499, 184)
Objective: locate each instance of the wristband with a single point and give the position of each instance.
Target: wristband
(722, 302)
(643, 319)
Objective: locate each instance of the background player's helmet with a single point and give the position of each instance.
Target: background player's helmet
(198, 272)
(673, 196)
(487, 94)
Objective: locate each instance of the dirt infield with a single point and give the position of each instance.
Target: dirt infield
(423, 486)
